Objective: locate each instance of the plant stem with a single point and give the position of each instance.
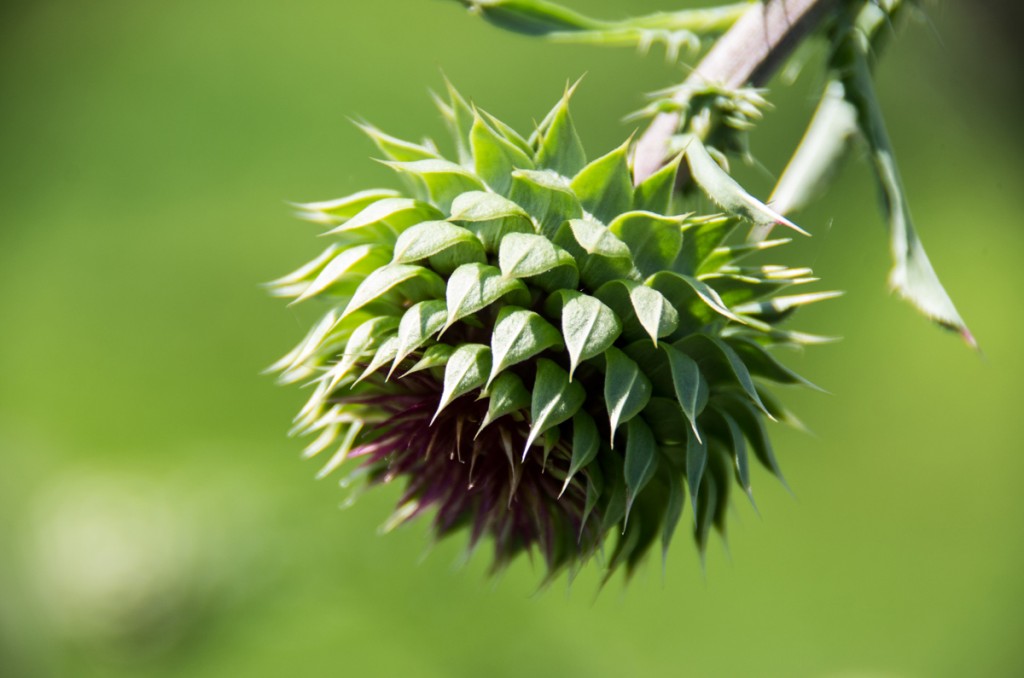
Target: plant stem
(749, 53)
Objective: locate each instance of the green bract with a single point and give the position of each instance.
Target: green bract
(545, 353)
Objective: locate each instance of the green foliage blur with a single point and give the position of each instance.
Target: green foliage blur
(155, 519)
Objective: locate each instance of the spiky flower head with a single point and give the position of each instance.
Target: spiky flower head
(543, 353)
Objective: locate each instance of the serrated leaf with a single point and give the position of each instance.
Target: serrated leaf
(605, 186)
(653, 240)
(559, 146)
(416, 283)
(588, 326)
(912, 275)
(696, 462)
(626, 390)
(586, 442)
(641, 309)
(655, 192)
(547, 196)
(490, 216)
(443, 180)
(729, 195)
(467, 369)
(343, 265)
(523, 255)
(394, 214)
(702, 348)
(329, 211)
(395, 148)
(554, 399)
(473, 287)
(421, 321)
(519, 334)
(509, 134)
(691, 388)
(641, 460)
(446, 245)
(495, 158)
(507, 394)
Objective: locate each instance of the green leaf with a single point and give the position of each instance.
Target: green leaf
(446, 245)
(729, 195)
(739, 454)
(384, 354)
(459, 117)
(507, 395)
(694, 297)
(725, 256)
(389, 214)
(523, 255)
(641, 460)
(361, 344)
(554, 399)
(712, 350)
(473, 287)
(595, 488)
(546, 195)
(655, 193)
(690, 386)
(673, 512)
(559, 146)
(509, 134)
(415, 283)
(436, 355)
(777, 308)
(533, 17)
(519, 334)
(752, 424)
(829, 138)
(490, 216)
(586, 442)
(421, 321)
(912, 275)
(701, 236)
(696, 462)
(397, 149)
(332, 211)
(443, 180)
(605, 186)
(653, 240)
(601, 256)
(765, 365)
(667, 421)
(640, 308)
(466, 370)
(495, 158)
(589, 327)
(626, 390)
(351, 262)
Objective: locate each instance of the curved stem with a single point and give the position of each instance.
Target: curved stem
(749, 53)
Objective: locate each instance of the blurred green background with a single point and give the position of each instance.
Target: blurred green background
(154, 518)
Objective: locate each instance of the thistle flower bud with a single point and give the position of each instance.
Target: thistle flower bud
(543, 353)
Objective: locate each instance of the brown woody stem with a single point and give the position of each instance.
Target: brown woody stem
(748, 54)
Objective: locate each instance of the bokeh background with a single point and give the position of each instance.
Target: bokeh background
(154, 518)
